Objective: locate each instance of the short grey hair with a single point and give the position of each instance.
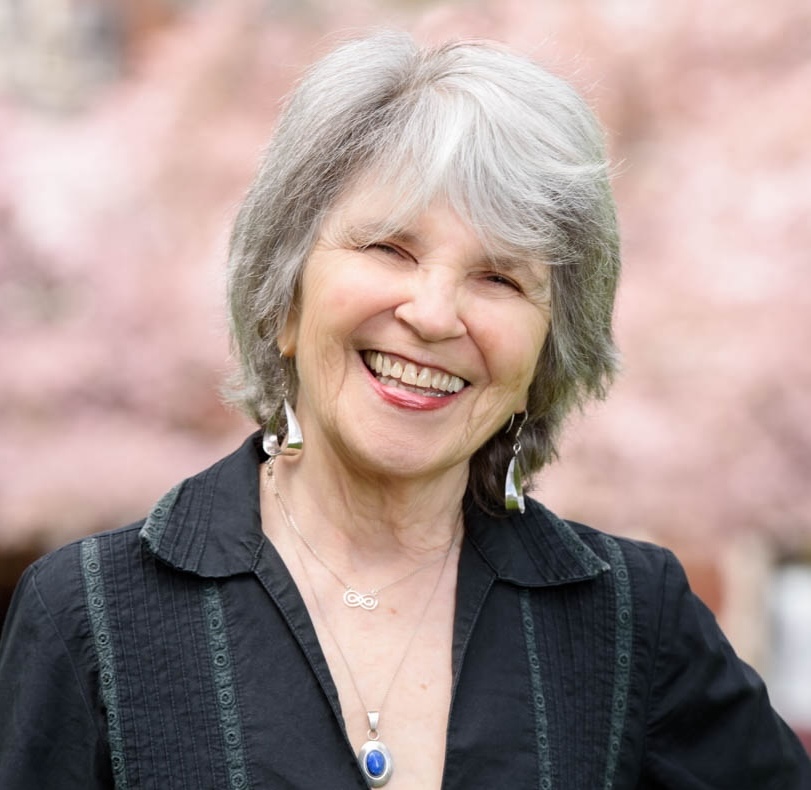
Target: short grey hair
(515, 151)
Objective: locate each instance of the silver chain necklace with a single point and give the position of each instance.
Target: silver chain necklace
(351, 597)
(374, 758)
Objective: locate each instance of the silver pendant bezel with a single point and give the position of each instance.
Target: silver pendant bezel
(370, 746)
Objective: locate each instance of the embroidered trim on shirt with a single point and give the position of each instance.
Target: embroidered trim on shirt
(155, 524)
(538, 699)
(622, 657)
(97, 611)
(225, 687)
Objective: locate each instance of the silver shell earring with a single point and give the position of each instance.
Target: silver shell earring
(513, 486)
(293, 440)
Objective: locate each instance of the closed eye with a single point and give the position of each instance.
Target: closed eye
(500, 279)
(388, 250)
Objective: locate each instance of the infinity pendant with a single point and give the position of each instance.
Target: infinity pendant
(353, 599)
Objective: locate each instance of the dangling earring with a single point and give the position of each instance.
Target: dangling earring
(513, 487)
(294, 438)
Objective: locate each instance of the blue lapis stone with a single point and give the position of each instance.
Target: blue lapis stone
(375, 763)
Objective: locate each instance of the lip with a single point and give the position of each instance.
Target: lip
(407, 398)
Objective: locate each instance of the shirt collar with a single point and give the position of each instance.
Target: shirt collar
(210, 525)
(533, 549)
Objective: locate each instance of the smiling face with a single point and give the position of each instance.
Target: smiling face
(412, 346)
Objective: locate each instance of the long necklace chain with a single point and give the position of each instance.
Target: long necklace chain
(351, 597)
(374, 758)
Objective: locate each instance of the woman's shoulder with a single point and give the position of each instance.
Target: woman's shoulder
(59, 572)
(645, 563)
(645, 558)
(228, 481)
(539, 548)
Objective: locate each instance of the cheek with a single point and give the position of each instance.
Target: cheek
(324, 310)
(335, 304)
(340, 292)
(512, 346)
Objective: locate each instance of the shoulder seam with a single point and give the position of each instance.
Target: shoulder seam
(82, 690)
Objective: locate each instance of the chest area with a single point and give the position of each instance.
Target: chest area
(544, 688)
(392, 673)
(515, 688)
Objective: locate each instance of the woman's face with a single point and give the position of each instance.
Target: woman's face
(412, 348)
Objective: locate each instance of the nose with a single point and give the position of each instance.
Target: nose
(432, 307)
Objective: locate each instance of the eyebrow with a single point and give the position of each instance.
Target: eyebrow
(511, 263)
(365, 232)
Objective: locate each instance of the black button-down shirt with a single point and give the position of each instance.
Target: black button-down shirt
(177, 653)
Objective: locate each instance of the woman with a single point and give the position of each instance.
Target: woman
(421, 288)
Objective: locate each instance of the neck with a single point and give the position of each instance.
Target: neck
(368, 517)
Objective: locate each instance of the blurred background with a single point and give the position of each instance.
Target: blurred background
(129, 130)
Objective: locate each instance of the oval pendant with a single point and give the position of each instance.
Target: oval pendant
(375, 763)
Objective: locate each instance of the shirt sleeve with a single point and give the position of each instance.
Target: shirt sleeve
(50, 735)
(710, 722)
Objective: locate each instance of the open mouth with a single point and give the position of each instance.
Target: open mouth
(394, 372)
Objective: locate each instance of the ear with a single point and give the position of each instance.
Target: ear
(287, 339)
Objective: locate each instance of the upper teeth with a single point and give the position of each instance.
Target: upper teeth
(408, 373)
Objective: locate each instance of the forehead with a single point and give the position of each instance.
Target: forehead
(371, 217)
(359, 201)
(371, 199)
(372, 212)
(372, 209)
